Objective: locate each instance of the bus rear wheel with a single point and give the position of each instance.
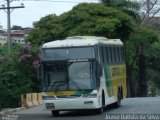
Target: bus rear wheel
(118, 103)
(55, 112)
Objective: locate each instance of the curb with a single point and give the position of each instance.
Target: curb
(11, 110)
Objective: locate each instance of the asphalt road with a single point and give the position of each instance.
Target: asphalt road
(147, 108)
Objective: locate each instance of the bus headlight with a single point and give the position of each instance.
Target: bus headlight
(49, 97)
(89, 95)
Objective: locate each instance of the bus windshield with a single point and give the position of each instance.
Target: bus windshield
(68, 76)
(57, 54)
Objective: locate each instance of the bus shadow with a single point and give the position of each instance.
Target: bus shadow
(78, 113)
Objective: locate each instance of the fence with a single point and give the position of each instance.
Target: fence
(31, 99)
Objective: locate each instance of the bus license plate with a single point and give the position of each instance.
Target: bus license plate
(50, 106)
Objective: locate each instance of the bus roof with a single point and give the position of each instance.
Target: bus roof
(82, 41)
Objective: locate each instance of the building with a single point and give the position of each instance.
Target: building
(3, 39)
(17, 36)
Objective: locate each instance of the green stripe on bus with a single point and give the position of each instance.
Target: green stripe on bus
(107, 76)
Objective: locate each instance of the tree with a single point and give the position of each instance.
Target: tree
(136, 48)
(150, 9)
(16, 27)
(17, 75)
(133, 7)
(153, 73)
(129, 7)
(84, 19)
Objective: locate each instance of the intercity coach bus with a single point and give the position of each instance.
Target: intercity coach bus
(82, 72)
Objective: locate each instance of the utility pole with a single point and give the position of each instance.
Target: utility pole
(8, 8)
(9, 26)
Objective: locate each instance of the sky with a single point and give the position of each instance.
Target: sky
(36, 9)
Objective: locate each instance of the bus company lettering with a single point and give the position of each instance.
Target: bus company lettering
(115, 71)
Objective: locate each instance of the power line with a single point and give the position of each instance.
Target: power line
(2, 1)
(68, 1)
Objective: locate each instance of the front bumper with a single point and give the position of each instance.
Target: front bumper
(72, 104)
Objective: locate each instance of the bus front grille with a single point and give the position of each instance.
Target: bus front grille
(68, 96)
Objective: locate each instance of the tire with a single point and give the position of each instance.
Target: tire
(118, 103)
(121, 93)
(55, 112)
(100, 110)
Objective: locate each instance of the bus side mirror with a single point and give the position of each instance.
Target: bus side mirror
(99, 73)
(39, 74)
(99, 70)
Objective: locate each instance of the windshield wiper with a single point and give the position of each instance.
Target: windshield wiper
(55, 86)
(75, 84)
(58, 86)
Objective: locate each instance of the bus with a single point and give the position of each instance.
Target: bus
(81, 73)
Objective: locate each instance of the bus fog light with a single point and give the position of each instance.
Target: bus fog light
(50, 106)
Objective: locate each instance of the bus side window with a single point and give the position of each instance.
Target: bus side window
(98, 74)
(113, 55)
(116, 54)
(109, 54)
(101, 54)
(105, 55)
(120, 54)
(106, 50)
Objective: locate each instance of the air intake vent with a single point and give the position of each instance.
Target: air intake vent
(87, 37)
(75, 37)
(68, 96)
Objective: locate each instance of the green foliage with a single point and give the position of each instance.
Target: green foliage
(84, 19)
(16, 27)
(140, 42)
(141, 38)
(123, 4)
(3, 50)
(144, 37)
(129, 7)
(153, 58)
(14, 82)
(17, 75)
(154, 26)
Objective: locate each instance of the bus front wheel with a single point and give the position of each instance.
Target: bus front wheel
(55, 112)
(101, 109)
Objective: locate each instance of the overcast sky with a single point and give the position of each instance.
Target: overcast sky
(34, 10)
